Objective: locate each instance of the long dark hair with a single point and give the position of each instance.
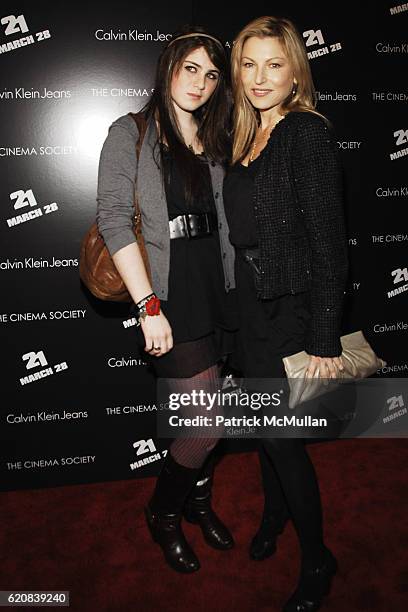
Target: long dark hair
(213, 118)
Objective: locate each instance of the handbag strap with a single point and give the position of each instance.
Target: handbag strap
(141, 123)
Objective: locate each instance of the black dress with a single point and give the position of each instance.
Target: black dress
(268, 329)
(199, 310)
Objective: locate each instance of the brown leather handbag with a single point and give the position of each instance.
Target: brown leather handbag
(96, 268)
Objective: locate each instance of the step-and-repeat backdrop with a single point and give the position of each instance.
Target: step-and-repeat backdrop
(78, 404)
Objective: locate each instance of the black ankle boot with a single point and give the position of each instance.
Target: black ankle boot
(263, 543)
(166, 531)
(163, 515)
(314, 584)
(198, 510)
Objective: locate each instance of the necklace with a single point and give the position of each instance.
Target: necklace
(194, 146)
(266, 132)
(191, 148)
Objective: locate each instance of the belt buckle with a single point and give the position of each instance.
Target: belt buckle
(187, 227)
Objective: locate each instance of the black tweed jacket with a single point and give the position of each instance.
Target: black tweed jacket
(299, 213)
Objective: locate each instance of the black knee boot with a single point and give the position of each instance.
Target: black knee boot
(198, 510)
(163, 514)
(275, 514)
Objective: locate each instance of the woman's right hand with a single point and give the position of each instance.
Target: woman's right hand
(157, 333)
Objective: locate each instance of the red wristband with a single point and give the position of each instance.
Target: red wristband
(153, 306)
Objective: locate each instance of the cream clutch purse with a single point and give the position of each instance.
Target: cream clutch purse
(358, 358)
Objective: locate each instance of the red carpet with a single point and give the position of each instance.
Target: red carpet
(92, 540)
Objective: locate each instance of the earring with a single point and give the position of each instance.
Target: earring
(294, 89)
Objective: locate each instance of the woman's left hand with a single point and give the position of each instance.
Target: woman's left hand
(329, 367)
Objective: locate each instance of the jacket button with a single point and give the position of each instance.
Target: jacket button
(219, 225)
(217, 195)
(228, 284)
(213, 163)
(224, 255)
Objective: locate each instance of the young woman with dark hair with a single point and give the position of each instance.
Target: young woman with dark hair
(283, 197)
(184, 310)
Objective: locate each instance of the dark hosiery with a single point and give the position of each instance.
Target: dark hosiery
(275, 503)
(192, 452)
(299, 483)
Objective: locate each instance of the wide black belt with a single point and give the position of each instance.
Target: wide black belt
(192, 226)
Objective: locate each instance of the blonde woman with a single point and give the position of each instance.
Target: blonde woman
(283, 201)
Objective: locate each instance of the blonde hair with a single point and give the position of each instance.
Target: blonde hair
(246, 117)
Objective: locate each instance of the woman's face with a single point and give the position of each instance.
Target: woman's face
(266, 73)
(194, 83)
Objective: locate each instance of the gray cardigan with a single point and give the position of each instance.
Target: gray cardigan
(118, 177)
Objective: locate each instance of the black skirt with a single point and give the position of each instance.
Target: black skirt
(268, 329)
(202, 315)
